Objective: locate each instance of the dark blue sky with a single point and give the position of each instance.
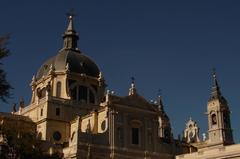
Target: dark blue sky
(171, 45)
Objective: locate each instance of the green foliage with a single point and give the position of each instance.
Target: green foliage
(23, 146)
(4, 84)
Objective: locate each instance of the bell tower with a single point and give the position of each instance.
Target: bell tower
(219, 125)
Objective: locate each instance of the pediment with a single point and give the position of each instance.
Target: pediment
(136, 101)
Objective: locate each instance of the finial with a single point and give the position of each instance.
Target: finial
(159, 101)
(70, 16)
(159, 92)
(51, 69)
(101, 80)
(132, 90)
(48, 87)
(214, 71)
(204, 136)
(215, 77)
(71, 13)
(67, 67)
(33, 80)
(100, 76)
(190, 118)
(133, 80)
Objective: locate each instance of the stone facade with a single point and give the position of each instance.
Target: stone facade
(71, 107)
(223, 152)
(73, 114)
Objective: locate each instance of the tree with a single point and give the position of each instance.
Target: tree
(20, 145)
(4, 84)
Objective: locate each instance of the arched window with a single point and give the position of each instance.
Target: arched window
(43, 92)
(83, 94)
(74, 93)
(91, 97)
(39, 93)
(58, 89)
(214, 119)
(226, 120)
(41, 112)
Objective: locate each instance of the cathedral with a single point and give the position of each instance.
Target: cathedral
(71, 113)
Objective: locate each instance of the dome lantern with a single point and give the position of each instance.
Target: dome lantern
(70, 36)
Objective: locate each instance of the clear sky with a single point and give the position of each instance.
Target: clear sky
(168, 45)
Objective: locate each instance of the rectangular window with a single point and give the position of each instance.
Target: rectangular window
(41, 113)
(135, 136)
(57, 111)
(120, 136)
(58, 91)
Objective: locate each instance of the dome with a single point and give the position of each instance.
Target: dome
(76, 61)
(69, 56)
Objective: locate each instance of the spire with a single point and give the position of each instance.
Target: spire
(70, 36)
(132, 89)
(215, 88)
(70, 24)
(159, 100)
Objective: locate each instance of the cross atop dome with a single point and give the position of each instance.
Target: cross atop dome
(71, 13)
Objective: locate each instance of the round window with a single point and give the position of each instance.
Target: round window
(57, 136)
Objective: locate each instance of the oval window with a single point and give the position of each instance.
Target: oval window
(57, 136)
(103, 125)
